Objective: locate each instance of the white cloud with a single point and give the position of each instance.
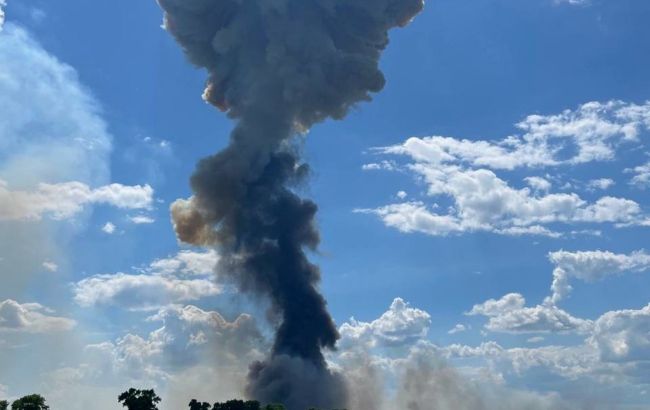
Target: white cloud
(642, 175)
(141, 219)
(187, 263)
(109, 228)
(601, 183)
(594, 129)
(574, 2)
(464, 171)
(191, 346)
(140, 291)
(568, 362)
(187, 276)
(484, 202)
(415, 217)
(50, 266)
(494, 307)
(510, 315)
(623, 335)
(187, 327)
(419, 378)
(31, 318)
(188, 334)
(3, 4)
(64, 200)
(459, 350)
(52, 132)
(538, 183)
(591, 266)
(400, 325)
(383, 165)
(458, 328)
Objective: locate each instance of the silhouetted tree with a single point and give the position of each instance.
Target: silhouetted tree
(134, 399)
(196, 405)
(238, 405)
(31, 402)
(4, 404)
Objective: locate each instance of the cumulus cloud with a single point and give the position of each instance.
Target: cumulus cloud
(140, 291)
(419, 377)
(465, 172)
(641, 176)
(538, 183)
(187, 263)
(600, 183)
(188, 334)
(623, 335)
(594, 130)
(400, 325)
(591, 266)
(510, 315)
(64, 200)
(109, 228)
(31, 318)
(191, 346)
(189, 327)
(483, 201)
(613, 357)
(187, 276)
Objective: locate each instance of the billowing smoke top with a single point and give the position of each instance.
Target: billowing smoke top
(278, 66)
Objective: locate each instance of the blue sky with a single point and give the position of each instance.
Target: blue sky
(488, 209)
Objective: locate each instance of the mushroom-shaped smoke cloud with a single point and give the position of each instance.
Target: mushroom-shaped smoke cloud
(277, 67)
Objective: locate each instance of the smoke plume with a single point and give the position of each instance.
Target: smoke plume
(277, 67)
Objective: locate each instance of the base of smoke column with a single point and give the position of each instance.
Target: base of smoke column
(297, 383)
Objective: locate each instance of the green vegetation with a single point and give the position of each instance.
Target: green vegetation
(31, 402)
(135, 399)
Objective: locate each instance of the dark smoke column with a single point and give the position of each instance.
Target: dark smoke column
(277, 67)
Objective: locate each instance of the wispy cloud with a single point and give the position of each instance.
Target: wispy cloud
(31, 318)
(64, 200)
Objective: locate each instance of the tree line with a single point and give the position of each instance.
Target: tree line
(136, 399)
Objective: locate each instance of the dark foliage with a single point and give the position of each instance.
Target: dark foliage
(135, 399)
(31, 402)
(196, 405)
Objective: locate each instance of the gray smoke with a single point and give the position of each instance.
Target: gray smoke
(428, 383)
(277, 67)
